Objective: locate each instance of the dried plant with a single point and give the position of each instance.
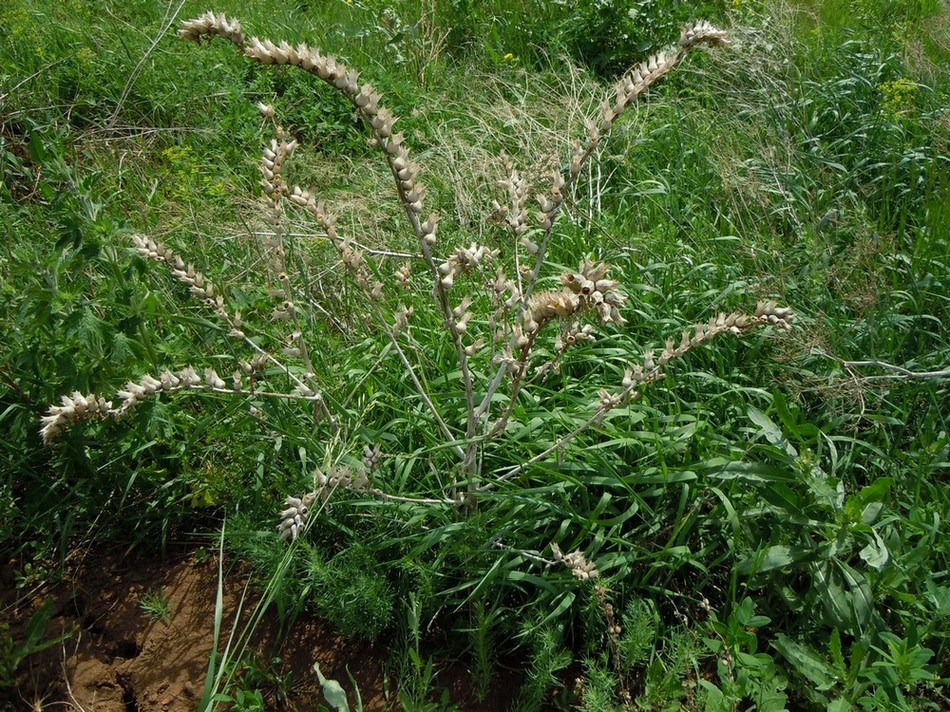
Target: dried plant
(489, 300)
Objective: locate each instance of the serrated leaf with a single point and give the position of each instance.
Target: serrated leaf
(773, 701)
(834, 647)
(714, 699)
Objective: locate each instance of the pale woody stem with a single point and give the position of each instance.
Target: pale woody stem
(418, 385)
(517, 382)
(311, 207)
(628, 394)
(577, 162)
(468, 456)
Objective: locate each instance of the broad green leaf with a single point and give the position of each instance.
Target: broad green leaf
(752, 661)
(845, 593)
(772, 432)
(750, 471)
(875, 553)
(871, 512)
(877, 491)
(332, 691)
(862, 598)
(663, 478)
(782, 496)
(775, 557)
(745, 614)
(836, 601)
(772, 701)
(715, 701)
(806, 662)
(940, 596)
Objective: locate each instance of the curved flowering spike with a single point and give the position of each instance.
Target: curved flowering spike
(363, 96)
(74, 408)
(773, 314)
(209, 25)
(372, 456)
(266, 110)
(583, 290)
(580, 567)
(700, 32)
(626, 92)
(294, 518)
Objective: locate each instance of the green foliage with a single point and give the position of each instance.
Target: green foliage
(607, 36)
(419, 671)
(484, 646)
(548, 659)
(157, 606)
(352, 590)
(610, 36)
(245, 700)
(769, 517)
(258, 680)
(639, 631)
(599, 688)
(744, 673)
(34, 640)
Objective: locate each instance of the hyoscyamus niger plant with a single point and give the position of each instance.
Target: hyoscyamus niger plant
(479, 334)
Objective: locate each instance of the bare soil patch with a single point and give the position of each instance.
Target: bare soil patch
(121, 658)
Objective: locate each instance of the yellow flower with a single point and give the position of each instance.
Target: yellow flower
(898, 97)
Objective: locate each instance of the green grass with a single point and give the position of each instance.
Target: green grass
(768, 520)
(156, 605)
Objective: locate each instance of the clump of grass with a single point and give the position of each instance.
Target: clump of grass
(157, 605)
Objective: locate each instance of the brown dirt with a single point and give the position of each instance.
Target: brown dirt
(120, 658)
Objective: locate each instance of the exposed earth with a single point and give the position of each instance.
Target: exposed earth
(120, 657)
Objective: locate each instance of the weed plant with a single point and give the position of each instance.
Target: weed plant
(766, 522)
(467, 393)
(156, 605)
